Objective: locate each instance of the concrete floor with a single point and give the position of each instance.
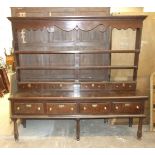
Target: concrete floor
(61, 133)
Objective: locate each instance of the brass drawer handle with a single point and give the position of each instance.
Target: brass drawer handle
(61, 106)
(38, 108)
(137, 107)
(116, 107)
(50, 109)
(72, 108)
(18, 108)
(84, 108)
(94, 105)
(92, 85)
(105, 108)
(28, 105)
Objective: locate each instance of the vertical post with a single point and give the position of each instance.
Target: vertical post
(77, 63)
(130, 121)
(139, 131)
(105, 120)
(137, 47)
(78, 129)
(16, 48)
(16, 135)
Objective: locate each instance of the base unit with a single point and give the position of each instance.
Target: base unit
(78, 109)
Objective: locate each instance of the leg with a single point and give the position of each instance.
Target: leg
(139, 131)
(130, 121)
(16, 135)
(77, 129)
(23, 122)
(105, 120)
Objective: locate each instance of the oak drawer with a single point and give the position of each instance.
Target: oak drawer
(95, 108)
(28, 108)
(61, 108)
(128, 107)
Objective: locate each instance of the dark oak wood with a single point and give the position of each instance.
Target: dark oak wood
(16, 134)
(139, 132)
(130, 122)
(77, 129)
(63, 67)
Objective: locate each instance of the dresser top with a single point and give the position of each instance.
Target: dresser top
(61, 95)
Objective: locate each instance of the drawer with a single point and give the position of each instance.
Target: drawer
(28, 108)
(95, 108)
(128, 107)
(61, 108)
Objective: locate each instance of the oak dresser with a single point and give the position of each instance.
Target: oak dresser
(65, 70)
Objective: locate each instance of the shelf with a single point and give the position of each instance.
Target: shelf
(78, 52)
(72, 68)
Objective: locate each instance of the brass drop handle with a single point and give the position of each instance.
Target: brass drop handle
(116, 107)
(84, 108)
(39, 108)
(105, 108)
(18, 108)
(94, 105)
(137, 107)
(50, 109)
(61, 106)
(28, 105)
(72, 108)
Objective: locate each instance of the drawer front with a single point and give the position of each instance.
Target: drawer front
(28, 108)
(95, 108)
(61, 108)
(127, 108)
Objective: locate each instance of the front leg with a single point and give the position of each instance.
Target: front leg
(77, 129)
(16, 135)
(139, 131)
